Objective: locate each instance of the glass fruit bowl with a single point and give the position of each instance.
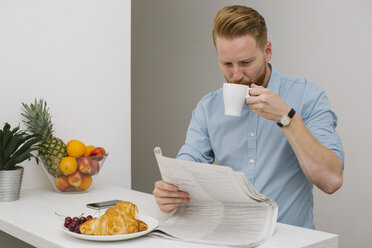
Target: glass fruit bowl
(73, 174)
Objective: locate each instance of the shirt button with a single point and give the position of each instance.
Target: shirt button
(251, 161)
(252, 134)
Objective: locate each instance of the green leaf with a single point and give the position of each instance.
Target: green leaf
(28, 145)
(15, 130)
(15, 143)
(1, 150)
(18, 157)
(16, 146)
(6, 127)
(2, 160)
(8, 141)
(6, 137)
(11, 147)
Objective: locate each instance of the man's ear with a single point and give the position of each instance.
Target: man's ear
(268, 51)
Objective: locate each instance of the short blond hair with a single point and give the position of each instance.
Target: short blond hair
(235, 21)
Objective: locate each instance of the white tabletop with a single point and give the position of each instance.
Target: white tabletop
(32, 219)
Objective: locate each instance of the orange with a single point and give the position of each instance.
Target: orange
(75, 148)
(88, 149)
(68, 165)
(87, 181)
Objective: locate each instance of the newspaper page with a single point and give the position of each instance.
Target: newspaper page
(224, 208)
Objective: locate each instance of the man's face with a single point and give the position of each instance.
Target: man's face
(242, 61)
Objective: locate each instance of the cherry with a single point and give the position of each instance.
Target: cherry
(71, 227)
(67, 223)
(77, 229)
(73, 224)
(82, 219)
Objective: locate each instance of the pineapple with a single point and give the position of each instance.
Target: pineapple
(38, 121)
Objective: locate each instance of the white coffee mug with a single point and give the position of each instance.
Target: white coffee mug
(234, 96)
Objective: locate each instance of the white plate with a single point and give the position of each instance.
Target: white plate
(151, 225)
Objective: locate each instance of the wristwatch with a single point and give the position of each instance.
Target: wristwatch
(286, 119)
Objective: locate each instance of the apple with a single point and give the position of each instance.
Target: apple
(97, 152)
(61, 183)
(75, 179)
(87, 166)
(87, 182)
(95, 166)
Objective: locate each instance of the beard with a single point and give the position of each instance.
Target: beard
(260, 80)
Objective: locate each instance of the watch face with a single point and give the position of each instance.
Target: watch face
(285, 120)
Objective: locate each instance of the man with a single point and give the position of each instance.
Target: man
(285, 140)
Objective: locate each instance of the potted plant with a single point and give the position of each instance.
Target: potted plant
(15, 147)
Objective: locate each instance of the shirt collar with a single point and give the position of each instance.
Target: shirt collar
(274, 81)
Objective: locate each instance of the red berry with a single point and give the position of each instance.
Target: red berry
(68, 218)
(77, 229)
(67, 223)
(89, 217)
(75, 219)
(82, 219)
(71, 227)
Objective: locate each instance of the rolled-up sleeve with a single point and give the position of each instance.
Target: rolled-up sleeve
(322, 122)
(197, 146)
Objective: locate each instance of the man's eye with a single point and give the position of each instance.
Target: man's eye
(245, 62)
(227, 64)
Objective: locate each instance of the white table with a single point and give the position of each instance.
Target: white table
(32, 219)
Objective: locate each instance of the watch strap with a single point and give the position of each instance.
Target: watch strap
(279, 124)
(291, 113)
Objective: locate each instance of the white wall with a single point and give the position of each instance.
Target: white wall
(328, 42)
(76, 55)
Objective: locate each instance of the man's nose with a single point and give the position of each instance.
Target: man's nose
(237, 75)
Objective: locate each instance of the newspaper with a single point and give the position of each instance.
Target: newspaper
(224, 208)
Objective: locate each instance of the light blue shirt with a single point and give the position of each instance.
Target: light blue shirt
(258, 148)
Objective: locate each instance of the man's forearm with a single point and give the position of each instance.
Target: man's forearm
(319, 163)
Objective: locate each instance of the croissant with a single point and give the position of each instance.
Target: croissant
(118, 219)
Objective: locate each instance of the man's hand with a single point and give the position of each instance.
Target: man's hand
(319, 163)
(168, 197)
(266, 103)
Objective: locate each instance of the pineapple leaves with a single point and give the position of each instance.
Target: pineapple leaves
(16, 146)
(37, 119)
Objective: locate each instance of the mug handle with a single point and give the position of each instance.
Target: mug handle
(247, 94)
